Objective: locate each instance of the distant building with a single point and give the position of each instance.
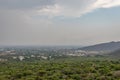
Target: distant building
(21, 58)
(44, 57)
(3, 60)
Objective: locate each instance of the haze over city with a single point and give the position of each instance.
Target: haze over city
(59, 22)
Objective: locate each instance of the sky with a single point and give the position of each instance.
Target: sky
(59, 22)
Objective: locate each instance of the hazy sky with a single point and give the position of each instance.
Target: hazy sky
(59, 22)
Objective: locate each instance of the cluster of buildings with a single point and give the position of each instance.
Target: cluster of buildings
(47, 54)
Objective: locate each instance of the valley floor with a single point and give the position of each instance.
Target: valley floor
(76, 68)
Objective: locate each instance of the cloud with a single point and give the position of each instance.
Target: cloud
(107, 3)
(66, 8)
(24, 4)
(52, 8)
(76, 8)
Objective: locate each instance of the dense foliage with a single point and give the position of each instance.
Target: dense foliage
(61, 69)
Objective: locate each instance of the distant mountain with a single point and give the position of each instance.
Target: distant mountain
(110, 46)
(115, 53)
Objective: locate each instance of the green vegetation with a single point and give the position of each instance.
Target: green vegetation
(77, 68)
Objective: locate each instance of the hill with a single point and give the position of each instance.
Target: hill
(115, 53)
(110, 46)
